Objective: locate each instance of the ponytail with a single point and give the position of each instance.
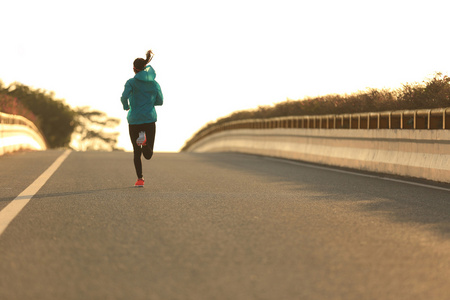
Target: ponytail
(149, 56)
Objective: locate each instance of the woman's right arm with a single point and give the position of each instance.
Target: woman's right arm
(125, 95)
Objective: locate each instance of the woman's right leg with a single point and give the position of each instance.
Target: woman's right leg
(137, 150)
(150, 130)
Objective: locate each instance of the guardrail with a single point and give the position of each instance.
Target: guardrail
(402, 119)
(19, 133)
(406, 143)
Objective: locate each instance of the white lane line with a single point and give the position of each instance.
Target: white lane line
(358, 174)
(8, 213)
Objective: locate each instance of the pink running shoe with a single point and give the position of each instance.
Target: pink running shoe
(139, 182)
(142, 139)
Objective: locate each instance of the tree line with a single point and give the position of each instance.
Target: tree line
(57, 121)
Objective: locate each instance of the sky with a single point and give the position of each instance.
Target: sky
(214, 57)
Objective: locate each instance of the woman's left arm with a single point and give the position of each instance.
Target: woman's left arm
(159, 95)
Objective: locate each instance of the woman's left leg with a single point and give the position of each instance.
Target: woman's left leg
(137, 150)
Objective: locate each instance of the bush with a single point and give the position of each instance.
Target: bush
(431, 93)
(11, 105)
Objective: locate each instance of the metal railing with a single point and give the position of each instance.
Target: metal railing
(7, 119)
(17, 120)
(403, 119)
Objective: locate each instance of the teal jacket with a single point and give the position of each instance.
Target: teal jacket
(140, 96)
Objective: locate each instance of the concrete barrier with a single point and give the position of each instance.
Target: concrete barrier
(18, 133)
(415, 153)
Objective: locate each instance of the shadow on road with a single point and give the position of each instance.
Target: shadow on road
(400, 202)
(71, 193)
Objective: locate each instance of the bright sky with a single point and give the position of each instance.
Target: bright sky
(214, 57)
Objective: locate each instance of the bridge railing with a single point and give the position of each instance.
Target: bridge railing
(17, 132)
(403, 119)
(17, 120)
(406, 143)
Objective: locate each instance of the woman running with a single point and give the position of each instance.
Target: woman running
(139, 98)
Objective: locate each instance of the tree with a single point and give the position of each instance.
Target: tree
(55, 119)
(94, 130)
(58, 122)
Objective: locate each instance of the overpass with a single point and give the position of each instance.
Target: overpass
(218, 225)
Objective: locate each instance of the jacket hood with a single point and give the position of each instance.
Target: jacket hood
(148, 74)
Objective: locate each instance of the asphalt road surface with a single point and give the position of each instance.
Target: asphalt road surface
(218, 226)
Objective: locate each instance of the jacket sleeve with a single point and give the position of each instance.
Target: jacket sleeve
(159, 95)
(125, 95)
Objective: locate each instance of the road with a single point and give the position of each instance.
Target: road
(218, 226)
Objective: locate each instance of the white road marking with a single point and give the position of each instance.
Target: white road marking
(359, 174)
(8, 213)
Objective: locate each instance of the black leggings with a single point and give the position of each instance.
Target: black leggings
(147, 151)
